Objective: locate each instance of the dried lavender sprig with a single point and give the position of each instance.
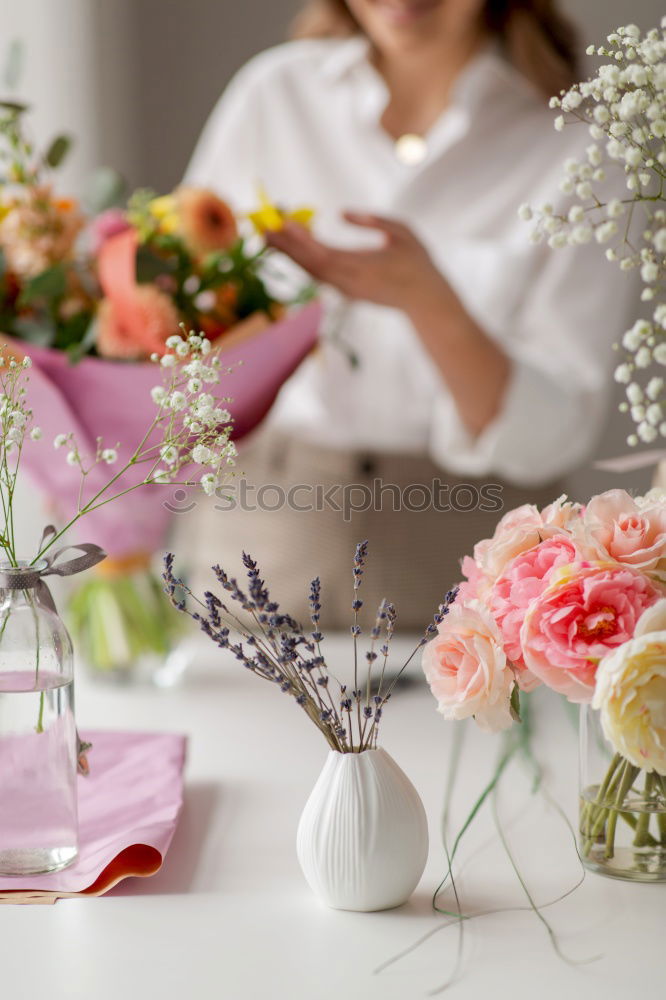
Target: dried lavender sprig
(359, 564)
(262, 663)
(430, 629)
(278, 651)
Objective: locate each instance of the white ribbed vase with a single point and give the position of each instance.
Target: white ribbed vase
(362, 840)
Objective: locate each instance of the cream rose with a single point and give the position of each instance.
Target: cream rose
(630, 693)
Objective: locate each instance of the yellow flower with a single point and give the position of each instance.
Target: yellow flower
(165, 210)
(630, 693)
(270, 217)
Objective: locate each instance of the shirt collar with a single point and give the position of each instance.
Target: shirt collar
(487, 74)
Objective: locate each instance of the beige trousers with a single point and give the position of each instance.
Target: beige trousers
(299, 510)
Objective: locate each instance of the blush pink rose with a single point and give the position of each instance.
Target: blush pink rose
(522, 529)
(617, 528)
(587, 611)
(468, 589)
(467, 670)
(523, 580)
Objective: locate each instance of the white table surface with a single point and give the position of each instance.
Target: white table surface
(230, 916)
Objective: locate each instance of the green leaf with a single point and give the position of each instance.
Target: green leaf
(71, 332)
(514, 704)
(150, 265)
(35, 331)
(57, 151)
(76, 351)
(16, 107)
(13, 64)
(105, 189)
(49, 285)
(3, 264)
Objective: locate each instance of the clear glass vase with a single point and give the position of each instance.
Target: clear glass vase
(38, 742)
(622, 810)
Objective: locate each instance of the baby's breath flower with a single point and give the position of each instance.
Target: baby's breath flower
(72, 458)
(60, 440)
(36, 433)
(209, 483)
(177, 400)
(109, 455)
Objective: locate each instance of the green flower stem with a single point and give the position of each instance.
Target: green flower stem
(590, 810)
(643, 821)
(629, 773)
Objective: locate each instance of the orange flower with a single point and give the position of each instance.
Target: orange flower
(135, 327)
(206, 222)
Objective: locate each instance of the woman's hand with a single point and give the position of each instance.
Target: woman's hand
(398, 274)
(401, 274)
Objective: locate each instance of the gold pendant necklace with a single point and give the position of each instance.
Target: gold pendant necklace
(411, 149)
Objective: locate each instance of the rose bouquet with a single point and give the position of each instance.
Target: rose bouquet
(573, 597)
(110, 291)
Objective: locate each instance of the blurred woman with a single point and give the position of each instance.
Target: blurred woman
(415, 128)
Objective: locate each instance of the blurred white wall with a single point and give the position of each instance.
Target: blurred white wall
(134, 81)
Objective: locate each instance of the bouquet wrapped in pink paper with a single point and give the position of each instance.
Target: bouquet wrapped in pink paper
(92, 315)
(573, 598)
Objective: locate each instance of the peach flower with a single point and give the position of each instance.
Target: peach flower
(523, 580)
(38, 230)
(587, 611)
(206, 222)
(616, 527)
(467, 670)
(136, 328)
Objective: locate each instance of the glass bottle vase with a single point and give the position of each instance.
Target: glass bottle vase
(622, 829)
(38, 741)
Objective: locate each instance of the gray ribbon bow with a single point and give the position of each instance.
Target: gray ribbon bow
(32, 578)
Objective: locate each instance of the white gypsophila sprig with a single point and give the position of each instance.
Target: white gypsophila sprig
(624, 109)
(16, 426)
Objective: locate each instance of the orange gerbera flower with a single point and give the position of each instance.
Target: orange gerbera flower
(134, 328)
(206, 222)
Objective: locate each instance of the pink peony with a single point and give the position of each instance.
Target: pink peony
(587, 611)
(467, 669)
(523, 580)
(616, 528)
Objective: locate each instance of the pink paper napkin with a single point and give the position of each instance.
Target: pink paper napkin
(128, 810)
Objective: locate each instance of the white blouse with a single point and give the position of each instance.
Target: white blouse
(303, 120)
